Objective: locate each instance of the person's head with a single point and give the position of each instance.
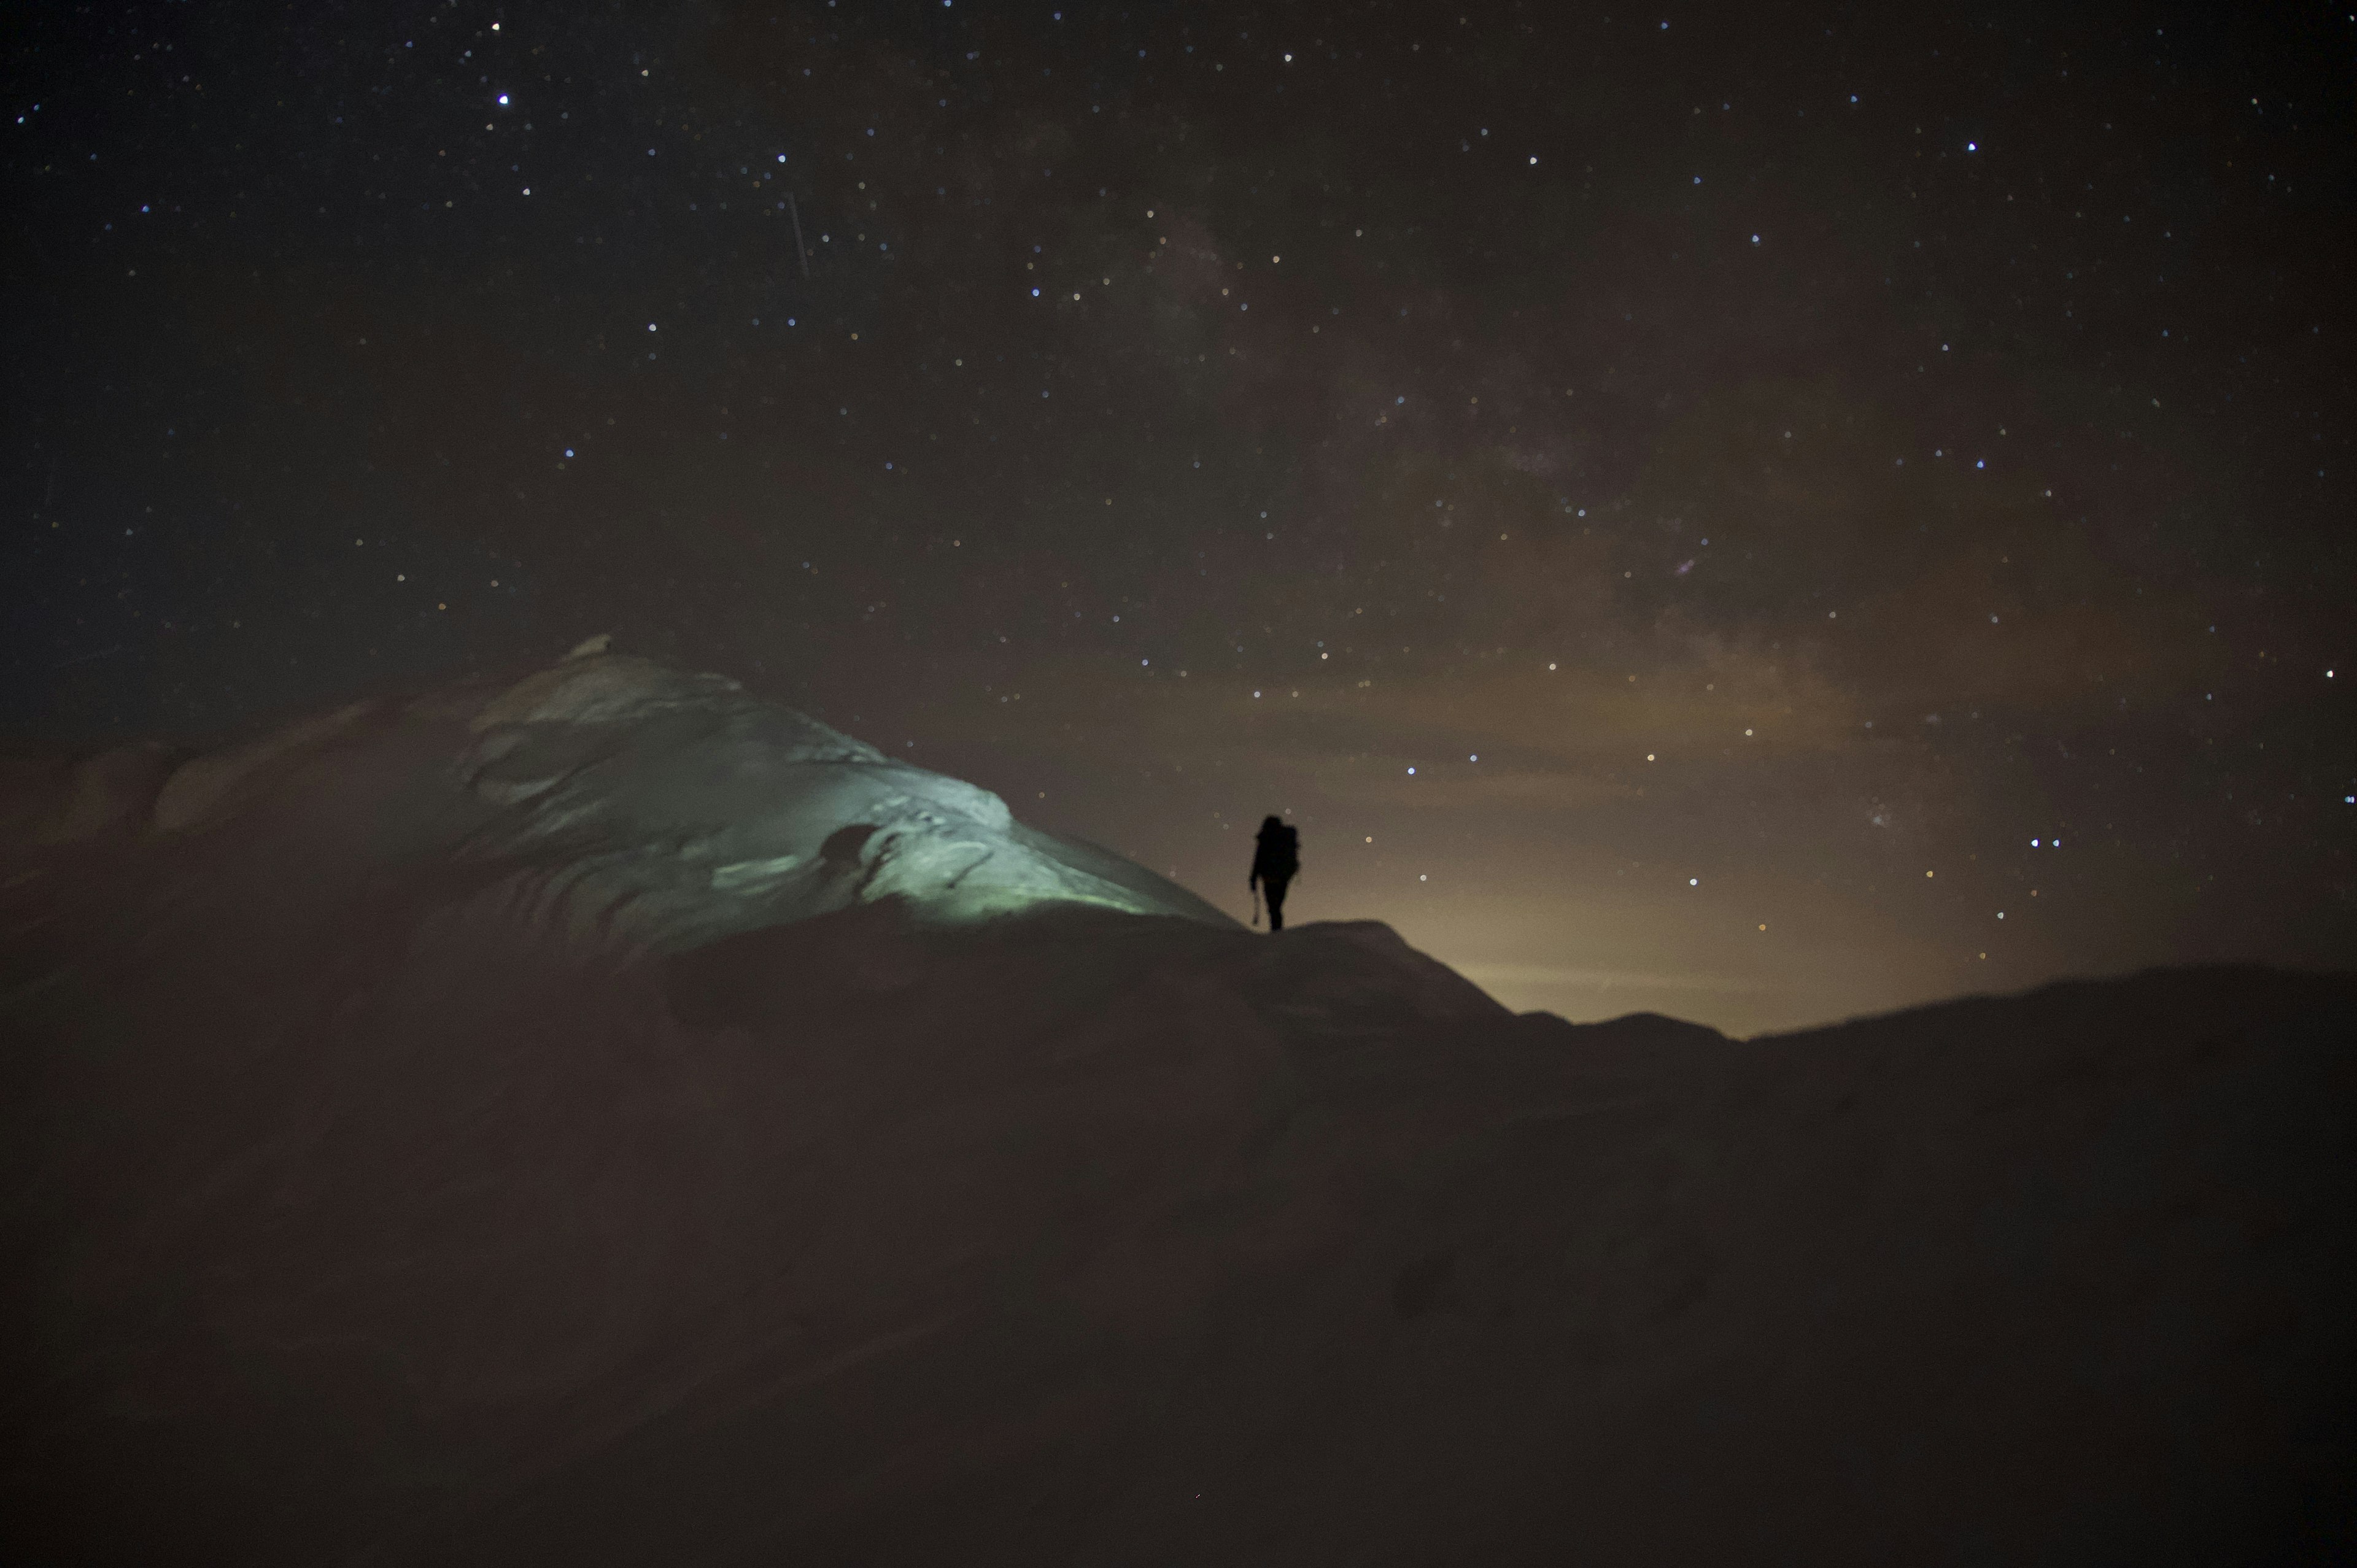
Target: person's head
(1270, 824)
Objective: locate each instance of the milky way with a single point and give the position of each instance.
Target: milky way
(1756, 516)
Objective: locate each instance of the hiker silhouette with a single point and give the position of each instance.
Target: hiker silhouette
(1276, 861)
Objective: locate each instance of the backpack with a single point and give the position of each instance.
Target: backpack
(1284, 851)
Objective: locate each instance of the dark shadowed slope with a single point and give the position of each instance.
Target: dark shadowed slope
(608, 1121)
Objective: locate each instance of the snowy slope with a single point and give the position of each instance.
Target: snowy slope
(604, 1119)
(669, 807)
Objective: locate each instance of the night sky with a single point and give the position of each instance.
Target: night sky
(1761, 513)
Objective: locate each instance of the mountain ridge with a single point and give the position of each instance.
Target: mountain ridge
(383, 1182)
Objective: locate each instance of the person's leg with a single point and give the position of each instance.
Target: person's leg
(1275, 887)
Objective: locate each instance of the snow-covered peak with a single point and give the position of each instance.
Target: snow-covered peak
(695, 808)
(618, 797)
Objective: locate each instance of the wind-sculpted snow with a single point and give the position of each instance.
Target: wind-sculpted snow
(616, 795)
(685, 809)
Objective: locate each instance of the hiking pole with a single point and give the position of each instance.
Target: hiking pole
(1255, 903)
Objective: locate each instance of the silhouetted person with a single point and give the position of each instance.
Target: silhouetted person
(1276, 861)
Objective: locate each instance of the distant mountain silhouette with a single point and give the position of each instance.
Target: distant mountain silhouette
(604, 1119)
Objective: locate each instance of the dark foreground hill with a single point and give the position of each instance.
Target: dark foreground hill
(610, 1122)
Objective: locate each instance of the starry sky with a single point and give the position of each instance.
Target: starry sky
(1762, 513)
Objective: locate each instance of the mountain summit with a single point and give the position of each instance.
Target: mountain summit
(602, 1117)
(674, 806)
